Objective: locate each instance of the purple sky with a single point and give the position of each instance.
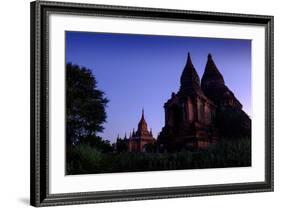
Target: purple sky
(141, 71)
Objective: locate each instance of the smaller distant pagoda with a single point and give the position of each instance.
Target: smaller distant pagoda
(138, 140)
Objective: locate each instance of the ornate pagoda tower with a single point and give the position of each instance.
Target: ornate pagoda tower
(138, 140)
(189, 115)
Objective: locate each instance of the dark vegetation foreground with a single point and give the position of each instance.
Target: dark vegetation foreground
(83, 159)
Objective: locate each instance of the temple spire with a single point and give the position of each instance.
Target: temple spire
(189, 62)
(190, 81)
(142, 126)
(189, 74)
(214, 87)
(211, 74)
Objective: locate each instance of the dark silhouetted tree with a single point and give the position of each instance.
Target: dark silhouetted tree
(85, 106)
(121, 145)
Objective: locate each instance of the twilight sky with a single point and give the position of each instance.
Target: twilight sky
(141, 71)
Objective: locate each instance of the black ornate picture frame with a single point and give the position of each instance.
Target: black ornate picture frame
(40, 107)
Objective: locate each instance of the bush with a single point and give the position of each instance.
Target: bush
(84, 159)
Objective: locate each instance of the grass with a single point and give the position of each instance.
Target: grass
(83, 159)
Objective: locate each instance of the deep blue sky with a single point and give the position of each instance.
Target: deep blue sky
(141, 71)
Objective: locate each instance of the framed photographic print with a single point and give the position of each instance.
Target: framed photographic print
(132, 103)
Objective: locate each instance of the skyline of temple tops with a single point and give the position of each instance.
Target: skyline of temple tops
(211, 91)
(143, 66)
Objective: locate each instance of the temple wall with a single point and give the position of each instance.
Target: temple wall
(208, 116)
(190, 111)
(200, 110)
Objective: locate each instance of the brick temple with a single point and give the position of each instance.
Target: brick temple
(137, 141)
(196, 116)
(192, 114)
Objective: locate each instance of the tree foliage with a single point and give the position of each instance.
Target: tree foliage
(85, 105)
(229, 152)
(121, 145)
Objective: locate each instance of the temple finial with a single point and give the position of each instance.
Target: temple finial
(189, 62)
(142, 113)
(209, 56)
